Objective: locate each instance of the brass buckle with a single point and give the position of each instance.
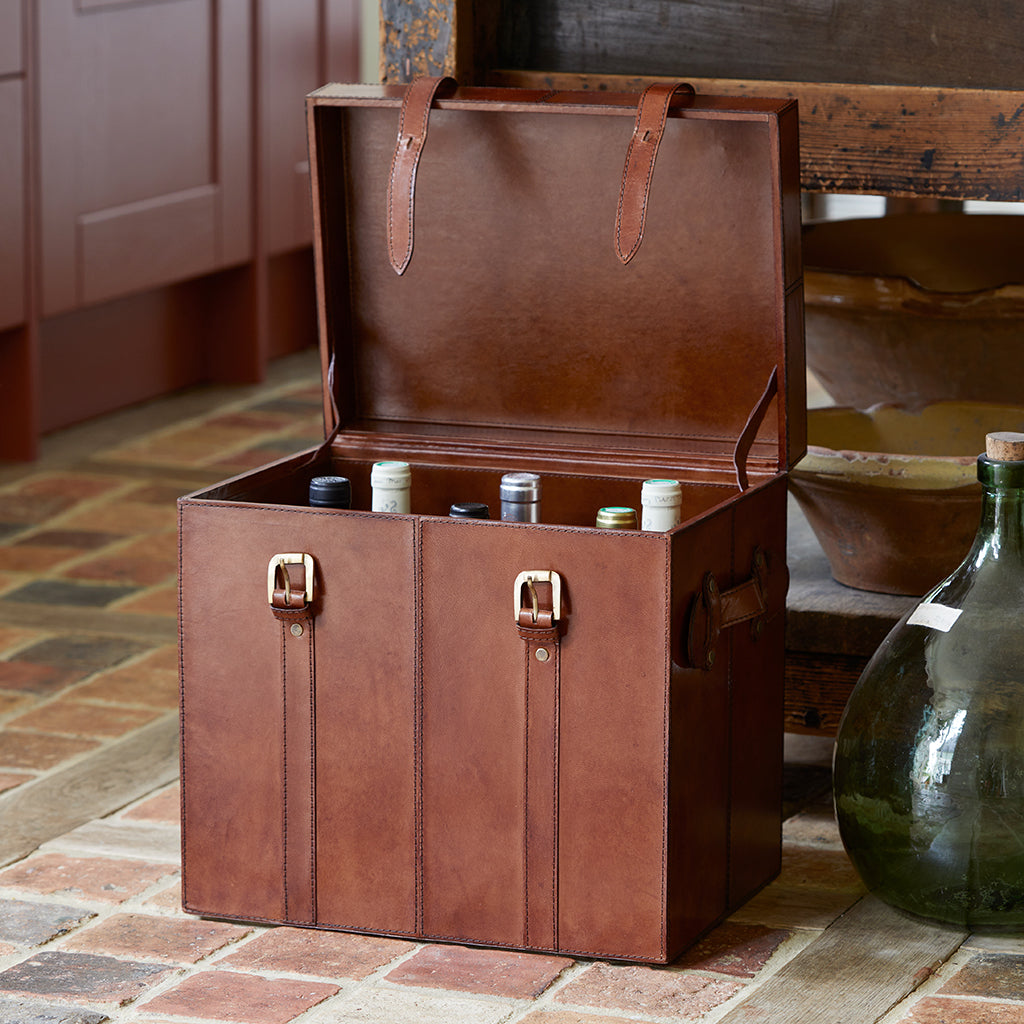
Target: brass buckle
(279, 562)
(528, 579)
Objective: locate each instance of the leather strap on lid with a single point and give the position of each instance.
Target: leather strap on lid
(639, 167)
(412, 136)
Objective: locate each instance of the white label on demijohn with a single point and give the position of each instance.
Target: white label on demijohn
(935, 616)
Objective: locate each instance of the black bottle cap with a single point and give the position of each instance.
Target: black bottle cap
(330, 492)
(470, 510)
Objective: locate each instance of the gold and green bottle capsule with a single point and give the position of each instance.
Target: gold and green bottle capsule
(616, 517)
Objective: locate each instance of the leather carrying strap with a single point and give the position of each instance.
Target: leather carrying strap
(714, 610)
(746, 439)
(412, 137)
(648, 129)
(541, 637)
(296, 614)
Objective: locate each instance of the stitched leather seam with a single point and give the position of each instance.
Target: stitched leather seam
(181, 694)
(666, 748)
(526, 796)
(284, 770)
(554, 793)
(417, 568)
(312, 771)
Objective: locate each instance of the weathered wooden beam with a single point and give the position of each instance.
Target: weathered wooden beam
(887, 140)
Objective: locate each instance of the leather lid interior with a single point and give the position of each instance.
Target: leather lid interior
(516, 319)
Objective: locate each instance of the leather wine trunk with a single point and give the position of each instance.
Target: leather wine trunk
(542, 736)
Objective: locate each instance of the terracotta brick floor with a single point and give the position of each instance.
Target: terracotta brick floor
(91, 928)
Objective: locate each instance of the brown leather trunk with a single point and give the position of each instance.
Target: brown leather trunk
(401, 733)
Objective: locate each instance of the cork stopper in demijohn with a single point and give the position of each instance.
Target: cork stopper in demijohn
(1005, 446)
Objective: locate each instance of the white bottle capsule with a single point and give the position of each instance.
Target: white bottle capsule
(390, 484)
(662, 504)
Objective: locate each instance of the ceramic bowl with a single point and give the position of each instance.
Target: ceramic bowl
(916, 308)
(892, 494)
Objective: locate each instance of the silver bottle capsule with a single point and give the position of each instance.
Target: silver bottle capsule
(520, 498)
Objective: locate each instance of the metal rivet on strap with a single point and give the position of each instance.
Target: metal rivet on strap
(543, 654)
(296, 629)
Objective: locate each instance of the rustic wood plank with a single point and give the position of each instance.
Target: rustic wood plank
(817, 689)
(898, 42)
(855, 972)
(53, 804)
(890, 140)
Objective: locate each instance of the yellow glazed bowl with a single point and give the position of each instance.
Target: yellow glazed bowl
(892, 494)
(916, 308)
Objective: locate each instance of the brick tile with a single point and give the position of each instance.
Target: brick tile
(12, 637)
(69, 594)
(169, 940)
(106, 879)
(166, 899)
(818, 867)
(32, 924)
(486, 971)
(252, 420)
(936, 1010)
(147, 561)
(156, 601)
(23, 1011)
(150, 681)
(224, 995)
(29, 509)
(164, 807)
(815, 826)
(164, 494)
(34, 558)
(82, 977)
(572, 1017)
(71, 487)
(75, 540)
(36, 679)
(9, 703)
(996, 975)
(413, 1006)
(88, 653)
(656, 992)
(125, 517)
(75, 718)
(8, 780)
(39, 751)
(319, 953)
(737, 949)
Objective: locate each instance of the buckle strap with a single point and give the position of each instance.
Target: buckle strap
(638, 170)
(290, 589)
(412, 137)
(538, 605)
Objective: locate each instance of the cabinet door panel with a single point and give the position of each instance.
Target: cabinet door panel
(305, 44)
(143, 134)
(11, 61)
(12, 205)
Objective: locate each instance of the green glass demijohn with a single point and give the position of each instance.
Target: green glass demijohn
(929, 761)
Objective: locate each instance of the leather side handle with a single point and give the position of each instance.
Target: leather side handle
(714, 610)
(412, 136)
(638, 170)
